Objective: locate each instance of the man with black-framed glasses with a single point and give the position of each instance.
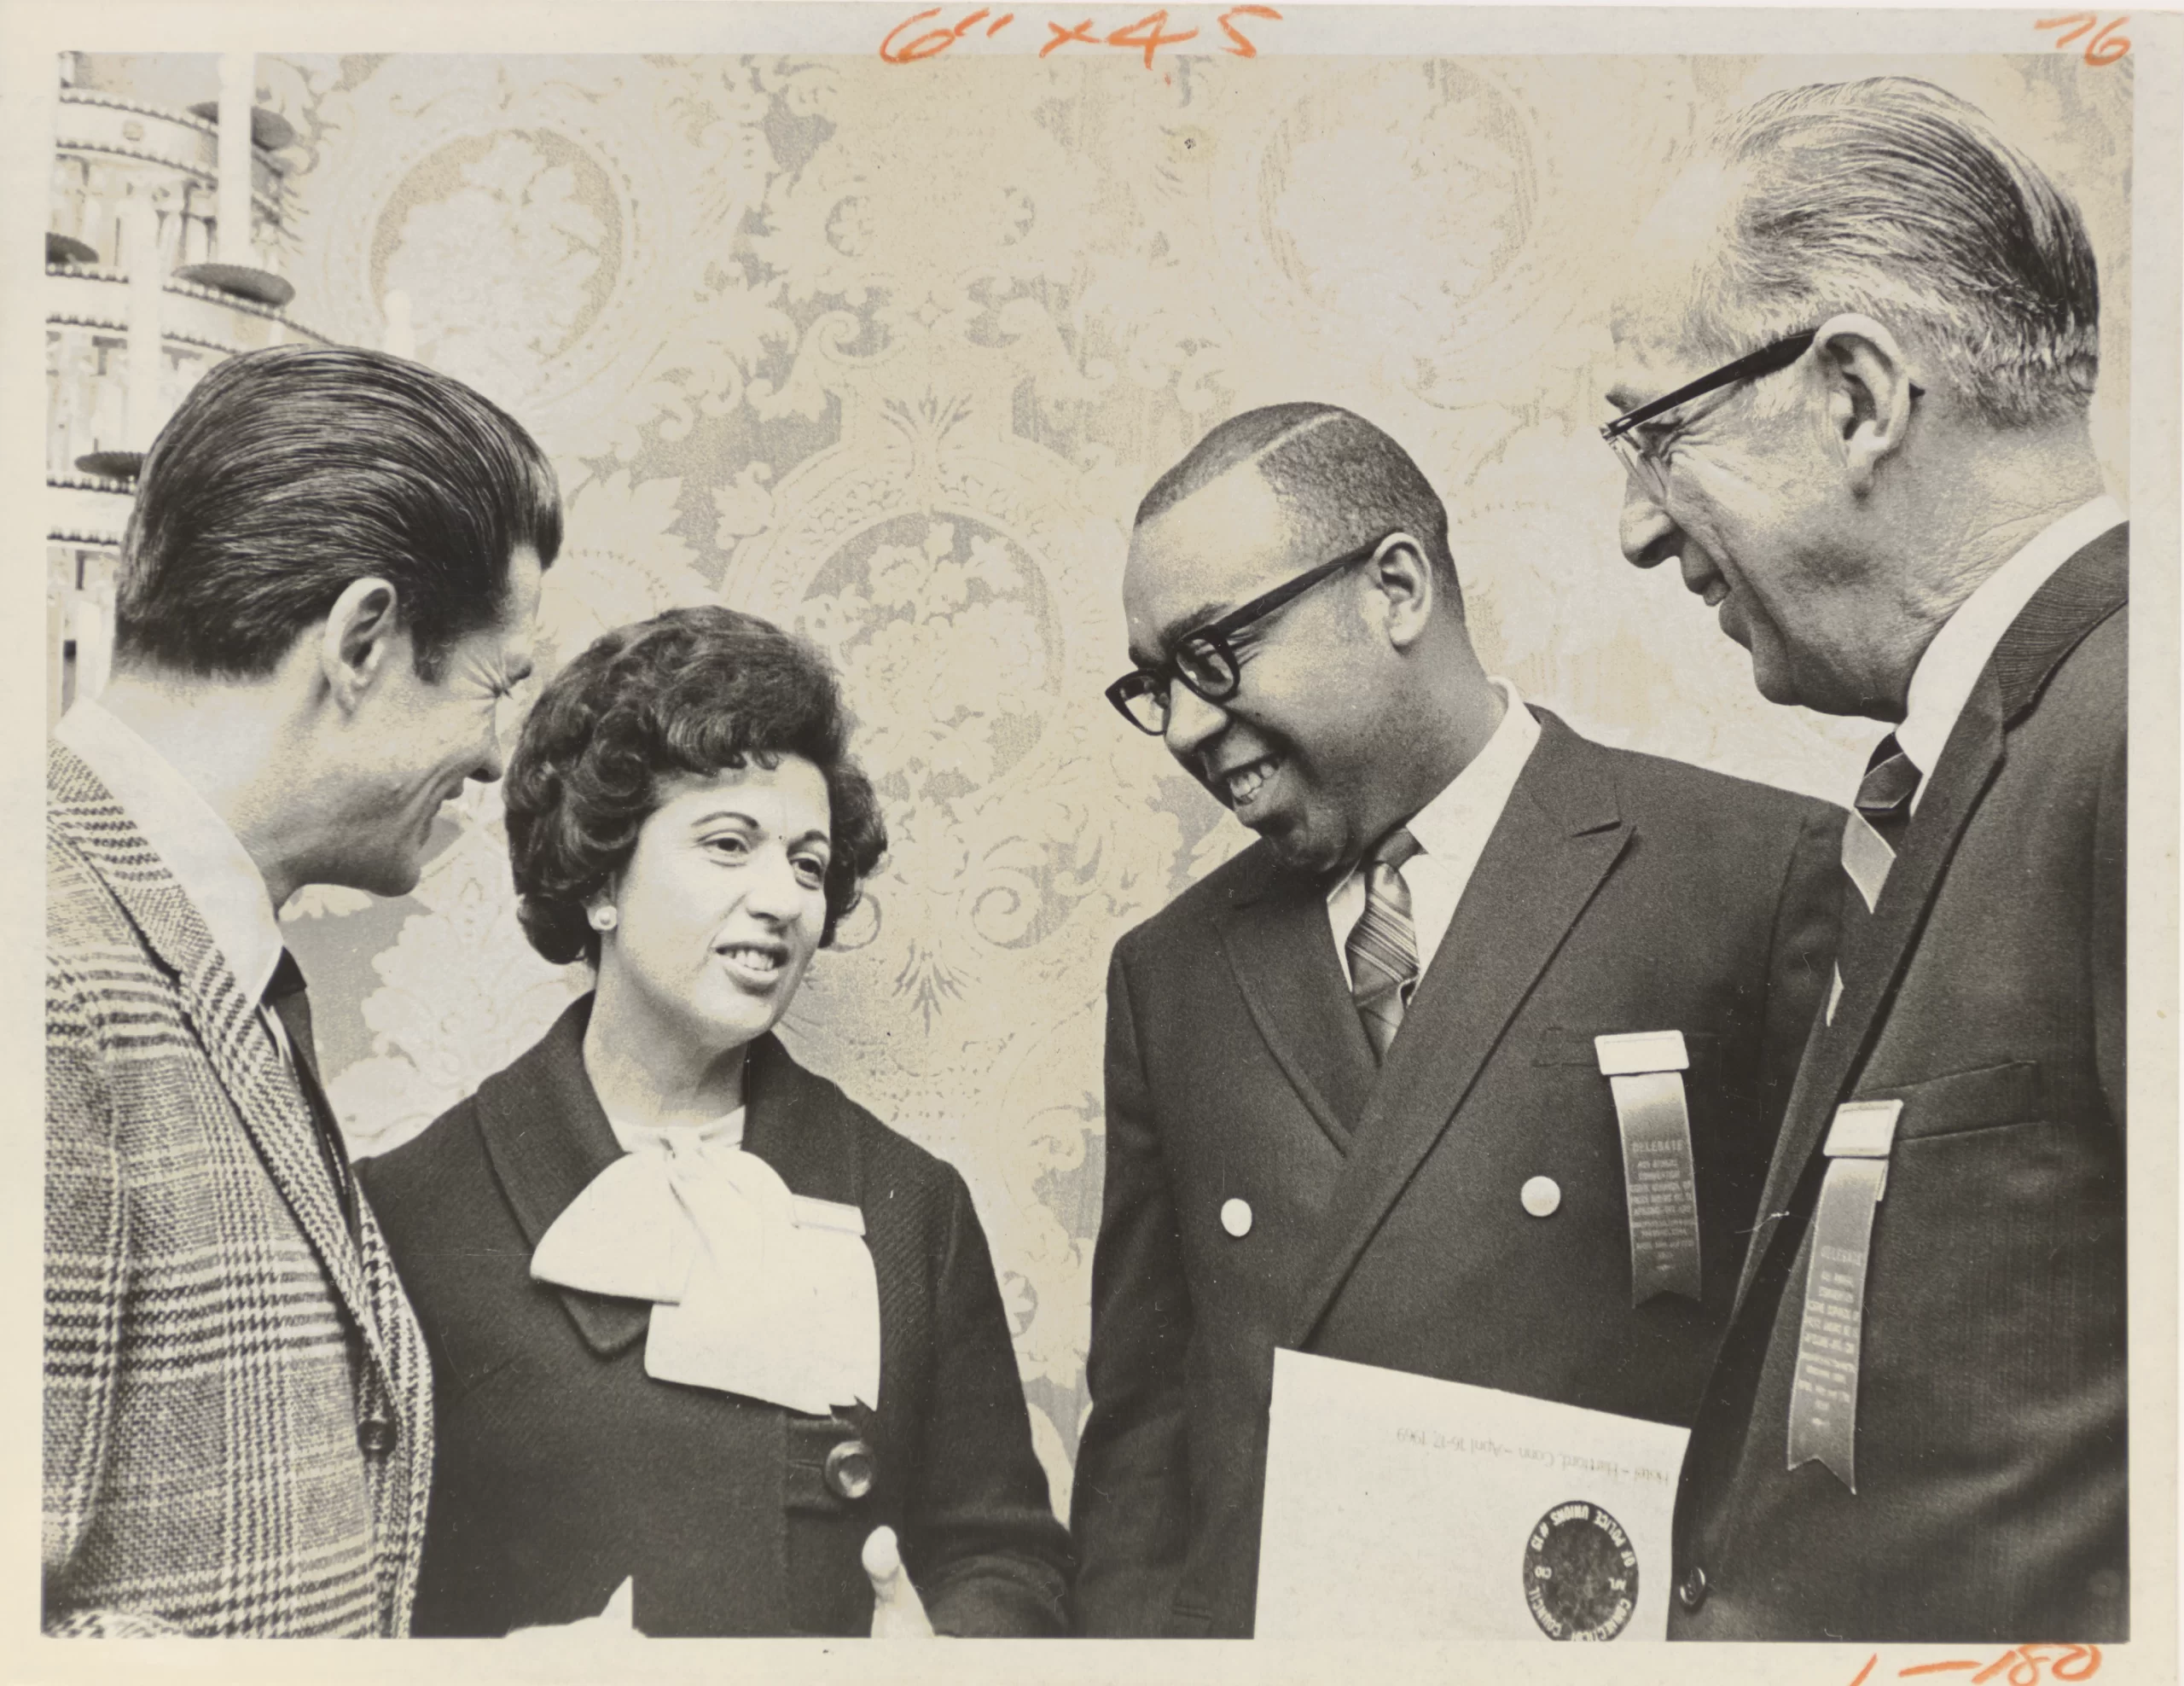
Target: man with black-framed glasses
(1916, 1429)
(1356, 1099)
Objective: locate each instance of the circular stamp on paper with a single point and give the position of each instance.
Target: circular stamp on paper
(1580, 1574)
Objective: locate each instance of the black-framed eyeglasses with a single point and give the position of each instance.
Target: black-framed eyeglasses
(1640, 456)
(1202, 658)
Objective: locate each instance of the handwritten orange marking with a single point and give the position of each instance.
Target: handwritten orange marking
(2101, 52)
(2101, 49)
(887, 46)
(2025, 1662)
(2022, 1663)
(2084, 20)
(933, 42)
(2023, 1667)
(1152, 41)
(1243, 49)
(906, 44)
(1063, 36)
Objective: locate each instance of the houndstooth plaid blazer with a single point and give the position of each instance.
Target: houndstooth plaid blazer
(238, 1429)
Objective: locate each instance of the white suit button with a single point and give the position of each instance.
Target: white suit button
(1541, 1196)
(1236, 1218)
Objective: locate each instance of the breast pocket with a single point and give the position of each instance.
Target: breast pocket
(1986, 1098)
(1558, 1046)
(1997, 1252)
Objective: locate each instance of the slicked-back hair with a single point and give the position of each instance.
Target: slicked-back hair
(1895, 199)
(1342, 479)
(289, 472)
(693, 692)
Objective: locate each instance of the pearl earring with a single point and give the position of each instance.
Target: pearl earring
(603, 918)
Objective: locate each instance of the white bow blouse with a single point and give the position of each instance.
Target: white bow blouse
(755, 1290)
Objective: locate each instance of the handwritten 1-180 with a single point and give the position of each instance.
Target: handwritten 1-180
(2021, 1665)
(908, 43)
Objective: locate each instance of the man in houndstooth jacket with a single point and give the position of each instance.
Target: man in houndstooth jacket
(329, 583)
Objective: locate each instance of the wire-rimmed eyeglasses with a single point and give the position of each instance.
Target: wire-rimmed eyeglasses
(1202, 658)
(1641, 456)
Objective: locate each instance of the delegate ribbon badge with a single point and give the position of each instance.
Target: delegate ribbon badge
(1824, 1395)
(1645, 1069)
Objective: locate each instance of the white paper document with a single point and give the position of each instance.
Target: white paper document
(1398, 1507)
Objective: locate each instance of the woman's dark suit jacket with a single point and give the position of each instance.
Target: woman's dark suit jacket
(563, 1468)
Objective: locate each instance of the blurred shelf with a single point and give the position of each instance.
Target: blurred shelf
(261, 286)
(225, 322)
(268, 127)
(112, 465)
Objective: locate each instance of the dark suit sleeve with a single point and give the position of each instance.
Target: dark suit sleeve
(1801, 958)
(1131, 1511)
(2108, 899)
(982, 1543)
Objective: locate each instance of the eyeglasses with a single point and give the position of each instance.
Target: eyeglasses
(1203, 660)
(1642, 457)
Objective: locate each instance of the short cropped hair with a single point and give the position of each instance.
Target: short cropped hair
(693, 692)
(1346, 482)
(1895, 199)
(288, 474)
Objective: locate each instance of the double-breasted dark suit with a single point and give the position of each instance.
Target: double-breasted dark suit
(1618, 892)
(563, 1468)
(1986, 994)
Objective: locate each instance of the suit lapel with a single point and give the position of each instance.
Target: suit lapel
(798, 1124)
(1276, 934)
(547, 1138)
(263, 1092)
(2081, 594)
(1873, 949)
(1558, 838)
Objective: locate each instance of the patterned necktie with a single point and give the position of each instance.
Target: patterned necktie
(290, 1000)
(1884, 794)
(1383, 947)
(1870, 840)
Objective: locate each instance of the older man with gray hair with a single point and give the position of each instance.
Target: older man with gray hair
(1856, 362)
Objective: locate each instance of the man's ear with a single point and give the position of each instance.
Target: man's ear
(360, 640)
(1408, 588)
(1870, 393)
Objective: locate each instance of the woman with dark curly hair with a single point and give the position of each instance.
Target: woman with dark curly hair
(700, 1325)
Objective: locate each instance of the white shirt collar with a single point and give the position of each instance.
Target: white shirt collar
(725, 1131)
(1944, 680)
(215, 871)
(1470, 804)
(1452, 831)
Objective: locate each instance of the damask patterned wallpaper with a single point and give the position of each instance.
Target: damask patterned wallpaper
(889, 354)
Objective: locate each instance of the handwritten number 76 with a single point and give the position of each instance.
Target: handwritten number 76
(2105, 47)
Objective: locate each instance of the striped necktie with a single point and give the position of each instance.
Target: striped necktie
(1383, 947)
